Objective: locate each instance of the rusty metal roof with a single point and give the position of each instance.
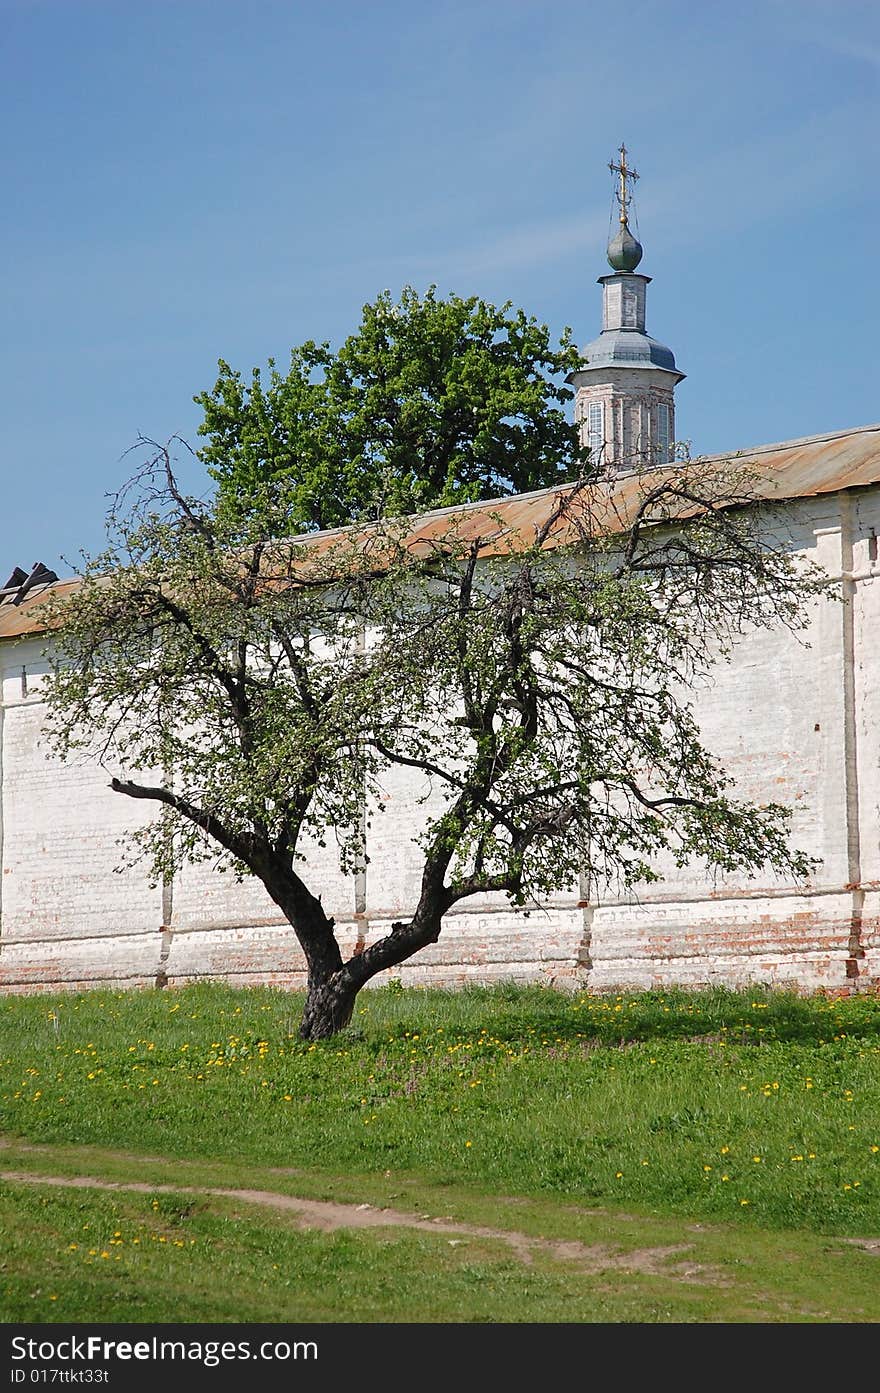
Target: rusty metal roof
(805, 468)
(816, 464)
(18, 620)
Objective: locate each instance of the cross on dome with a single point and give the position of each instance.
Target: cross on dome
(624, 196)
(624, 250)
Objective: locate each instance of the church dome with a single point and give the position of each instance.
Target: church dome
(627, 348)
(624, 252)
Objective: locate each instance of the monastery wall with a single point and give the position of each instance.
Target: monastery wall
(793, 724)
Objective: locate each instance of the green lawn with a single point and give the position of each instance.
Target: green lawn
(716, 1152)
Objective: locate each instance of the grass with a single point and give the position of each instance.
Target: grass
(165, 1257)
(744, 1125)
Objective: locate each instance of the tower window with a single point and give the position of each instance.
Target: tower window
(596, 429)
(662, 433)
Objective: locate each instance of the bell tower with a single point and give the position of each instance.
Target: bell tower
(624, 389)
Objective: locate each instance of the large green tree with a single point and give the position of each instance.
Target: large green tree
(431, 402)
(540, 680)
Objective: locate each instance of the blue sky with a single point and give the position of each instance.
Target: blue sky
(185, 180)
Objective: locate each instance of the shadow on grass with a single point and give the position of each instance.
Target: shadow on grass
(513, 1013)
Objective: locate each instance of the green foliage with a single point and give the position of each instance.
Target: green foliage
(431, 402)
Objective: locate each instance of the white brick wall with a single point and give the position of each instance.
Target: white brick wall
(786, 719)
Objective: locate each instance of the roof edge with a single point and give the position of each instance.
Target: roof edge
(23, 621)
(795, 444)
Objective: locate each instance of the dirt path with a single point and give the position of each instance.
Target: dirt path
(328, 1215)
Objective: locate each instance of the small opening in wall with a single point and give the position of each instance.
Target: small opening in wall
(24, 681)
(872, 545)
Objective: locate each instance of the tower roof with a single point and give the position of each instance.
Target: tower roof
(628, 348)
(623, 342)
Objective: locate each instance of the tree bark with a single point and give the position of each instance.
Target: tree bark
(329, 1006)
(330, 993)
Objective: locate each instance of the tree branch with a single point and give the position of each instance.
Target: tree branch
(242, 847)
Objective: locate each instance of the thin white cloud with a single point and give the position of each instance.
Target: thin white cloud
(777, 173)
(531, 244)
(848, 48)
(849, 29)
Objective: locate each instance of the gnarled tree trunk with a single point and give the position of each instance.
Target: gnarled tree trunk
(329, 1006)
